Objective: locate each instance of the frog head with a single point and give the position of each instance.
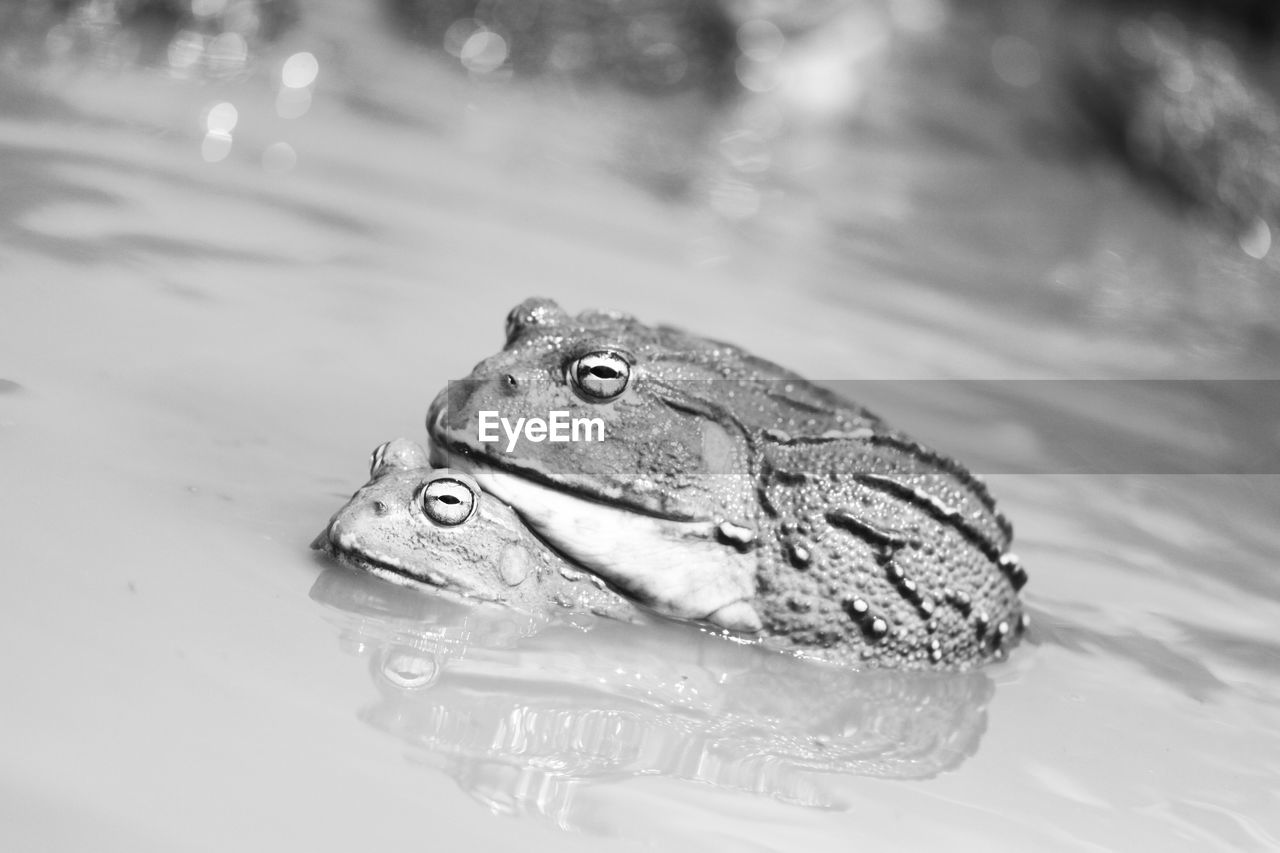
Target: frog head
(427, 527)
(649, 418)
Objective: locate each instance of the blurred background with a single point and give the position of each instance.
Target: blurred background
(1111, 166)
(245, 241)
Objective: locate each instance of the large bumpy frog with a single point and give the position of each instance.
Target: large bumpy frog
(712, 485)
(418, 526)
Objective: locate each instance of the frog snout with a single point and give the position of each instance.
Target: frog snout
(454, 408)
(325, 538)
(339, 529)
(345, 531)
(454, 399)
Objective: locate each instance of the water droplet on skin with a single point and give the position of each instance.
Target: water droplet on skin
(513, 565)
(410, 670)
(800, 555)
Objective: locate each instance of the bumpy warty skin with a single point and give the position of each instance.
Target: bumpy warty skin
(879, 553)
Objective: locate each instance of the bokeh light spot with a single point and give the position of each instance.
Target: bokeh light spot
(761, 116)
(1137, 40)
(185, 50)
(761, 40)
(243, 18)
(207, 8)
(756, 76)
(824, 82)
(228, 52)
(222, 118)
(1176, 73)
(1016, 61)
(1256, 239)
(59, 41)
(458, 33)
(300, 70)
(571, 52)
(216, 146)
(279, 157)
(483, 52)
(293, 103)
(746, 151)
(919, 16)
(667, 62)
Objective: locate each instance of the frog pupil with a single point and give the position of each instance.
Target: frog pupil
(600, 376)
(446, 503)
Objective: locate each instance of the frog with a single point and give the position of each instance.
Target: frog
(435, 529)
(730, 491)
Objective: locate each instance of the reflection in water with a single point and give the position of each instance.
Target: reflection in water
(522, 718)
(1161, 661)
(243, 333)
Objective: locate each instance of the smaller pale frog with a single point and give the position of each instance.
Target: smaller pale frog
(418, 526)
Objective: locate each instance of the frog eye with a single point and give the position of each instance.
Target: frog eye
(447, 501)
(600, 376)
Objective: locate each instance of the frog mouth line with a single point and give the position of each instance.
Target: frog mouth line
(579, 488)
(389, 570)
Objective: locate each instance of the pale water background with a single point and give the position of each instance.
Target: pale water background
(204, 330)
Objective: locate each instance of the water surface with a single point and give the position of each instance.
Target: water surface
(201, 341)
